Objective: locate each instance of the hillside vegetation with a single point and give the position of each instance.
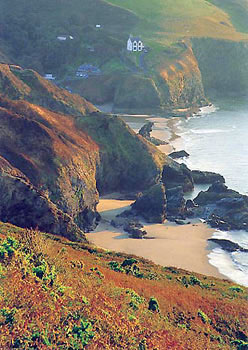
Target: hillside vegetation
(54, 160)
(168, 73)
(61, 295)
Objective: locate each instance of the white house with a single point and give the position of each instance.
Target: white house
(134, 44)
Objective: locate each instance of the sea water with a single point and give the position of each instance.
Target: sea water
(217, 140)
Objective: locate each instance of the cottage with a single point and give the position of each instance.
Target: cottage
(49, 76)
(134, 44)
(87, 69)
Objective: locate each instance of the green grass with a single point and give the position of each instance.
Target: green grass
(179, 17)
(237, 10)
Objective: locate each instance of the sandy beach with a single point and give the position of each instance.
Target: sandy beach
(168, 244)
(172, 245)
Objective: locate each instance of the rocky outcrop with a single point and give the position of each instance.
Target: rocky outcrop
(127, 161)
(179, 154)
(66, 160)
(130, 224)
(146, 130)
(175, 174)
(223, 207)
(23, 205)
(151, 205)
(227, 245)
(176, 204)
(26, 84)
(206, 177)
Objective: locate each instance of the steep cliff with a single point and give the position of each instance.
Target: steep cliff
(60, 162)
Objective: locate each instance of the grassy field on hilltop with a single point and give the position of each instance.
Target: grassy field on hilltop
(237, 10)
(182, 18)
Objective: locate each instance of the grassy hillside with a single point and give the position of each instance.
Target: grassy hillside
(237, 10)
(29, 30)
(61, 295)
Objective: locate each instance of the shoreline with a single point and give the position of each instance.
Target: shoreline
(181, 246)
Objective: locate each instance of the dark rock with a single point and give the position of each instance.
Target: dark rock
(179, 222)
(135, 230)
(190, 204)
(227, 245)
(152, 204)
(179, 154)
(222, 207)
(206, 177)
(175, 174)
(175, 202)
(146, 130)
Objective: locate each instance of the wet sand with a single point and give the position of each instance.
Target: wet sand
(183, 246)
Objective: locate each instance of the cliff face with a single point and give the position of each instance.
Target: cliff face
(174, 82)
(60, 162)
(182, 80)
(26, 84)
(223, 65)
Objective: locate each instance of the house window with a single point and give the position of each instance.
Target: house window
(140, 46)
(135, 46)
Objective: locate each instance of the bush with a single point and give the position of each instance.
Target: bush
(153, 304)
(236, 289)
(115, 266)
(203, 316)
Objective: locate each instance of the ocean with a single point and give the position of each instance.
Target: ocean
(217, 140)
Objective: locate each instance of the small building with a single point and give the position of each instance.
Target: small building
(98, 25)
(134, 44)
(49, 76)
(87, 69)
(65, 37)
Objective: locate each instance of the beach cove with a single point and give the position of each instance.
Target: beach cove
(168, 244)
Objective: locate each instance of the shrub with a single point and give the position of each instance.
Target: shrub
(8, 248)
(136, 299)
(241, 345)
(129, 262)
(193, 281)
(236, 289)
(115, 266)
(203, 317)
(82, 334)
(153, 304)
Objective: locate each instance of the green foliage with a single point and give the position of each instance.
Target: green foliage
(236, 289)
(142, 345)
(241, 345)
(203, 317)
(129, 262)
(136, 300)
(153, 305)
(81, 334)
(9, 315)
(114, 265)
(8, 248)
(194, 281)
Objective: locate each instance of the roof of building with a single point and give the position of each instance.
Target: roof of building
(133, 38)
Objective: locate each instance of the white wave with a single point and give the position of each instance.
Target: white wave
(209, 131)
(208, 109)
(223, 262)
